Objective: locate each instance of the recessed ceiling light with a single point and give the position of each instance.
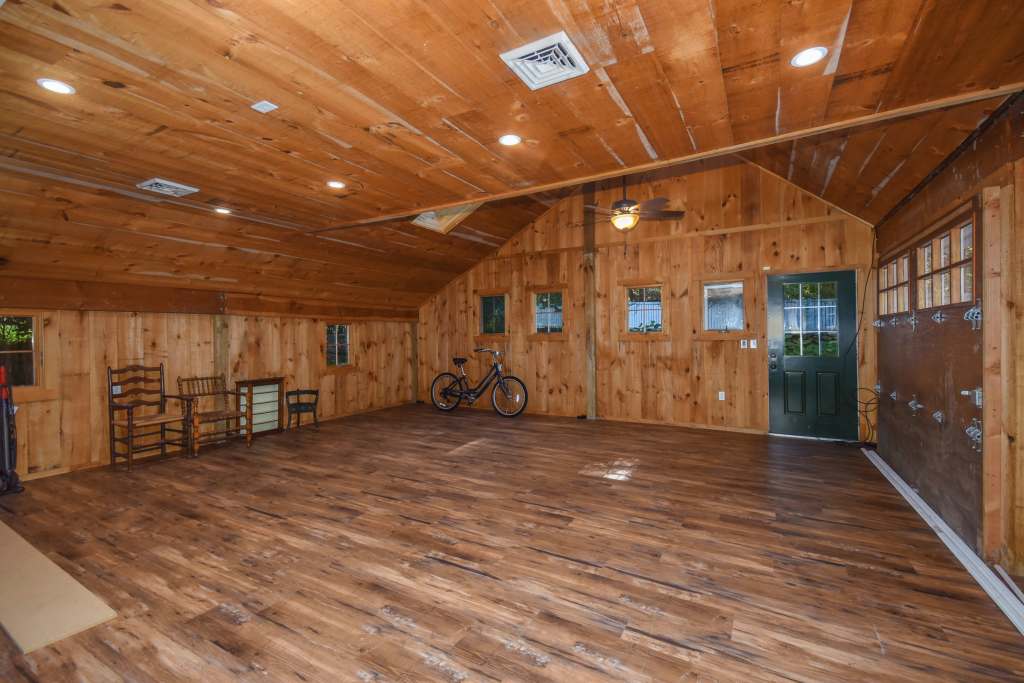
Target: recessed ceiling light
(53, 85)
(510, 139)
(811, 55)
(263, 106)
(222, 210)
(335, 184)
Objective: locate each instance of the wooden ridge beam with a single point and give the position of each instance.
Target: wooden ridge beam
(832, 127)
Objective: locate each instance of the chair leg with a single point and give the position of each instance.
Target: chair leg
(316, 420)
(163, 440)
(131, 442)
(195, 435)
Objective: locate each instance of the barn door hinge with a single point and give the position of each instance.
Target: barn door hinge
(878, 323)
(939, 416)
(940, 316)
(893, 395)
(912, 321)
(973, 315)
(914, 404)
(975, 433)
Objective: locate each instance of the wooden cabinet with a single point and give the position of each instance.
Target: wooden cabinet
(267, 403)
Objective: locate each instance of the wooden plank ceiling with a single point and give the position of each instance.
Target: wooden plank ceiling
(404, 101)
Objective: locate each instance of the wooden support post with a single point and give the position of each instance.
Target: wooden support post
(414, 361)
(995, 526)
(1013, 370)
(590, 297)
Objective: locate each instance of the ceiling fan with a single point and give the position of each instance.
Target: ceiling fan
(625, 213)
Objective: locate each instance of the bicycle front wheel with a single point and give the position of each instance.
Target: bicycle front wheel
(445, 392)
(509, 396)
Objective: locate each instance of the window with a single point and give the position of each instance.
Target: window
(951, 281)
(17, 349)
(643, 309)
(337, 345)
(492, 314)
(811, 326)
(547, 312)
(723, 306)
(894, 286)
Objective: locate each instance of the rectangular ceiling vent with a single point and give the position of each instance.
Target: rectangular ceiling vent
(546, 61)
(168, 187)
(445, 220)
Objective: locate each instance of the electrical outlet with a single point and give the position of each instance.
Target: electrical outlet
(115, 390)
(721, 395)
(753, 343)
(744, 344)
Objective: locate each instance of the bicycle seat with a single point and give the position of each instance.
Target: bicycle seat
(459, 361)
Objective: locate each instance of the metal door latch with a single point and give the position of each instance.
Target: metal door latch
(915, 405)
(940, 316)
(893, 395)
(974, 394)
(938, 416)
(973, 315)
(912, 321)
(974, 433)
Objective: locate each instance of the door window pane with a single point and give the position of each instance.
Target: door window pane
(337, 345)
(811, 319)
(492, 314)
(723, 306)
(643, 309)
(548, 312)
(944, 251)
(967, 241)
(966, 283)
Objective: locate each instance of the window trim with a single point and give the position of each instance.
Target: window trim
(967, 214)
(624, 332)
(478, 315)
(534, 334)
(37, 349)
(348, 365)
(909, 283)
(705, 333)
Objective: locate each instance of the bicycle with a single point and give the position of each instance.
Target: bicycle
(508, 397)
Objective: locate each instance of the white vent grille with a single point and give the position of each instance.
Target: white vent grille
(445, 220)
(546, 61)
(168, 187)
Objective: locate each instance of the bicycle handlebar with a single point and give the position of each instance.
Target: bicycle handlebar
(483, 349)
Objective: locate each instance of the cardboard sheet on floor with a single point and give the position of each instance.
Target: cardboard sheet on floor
(40, 603)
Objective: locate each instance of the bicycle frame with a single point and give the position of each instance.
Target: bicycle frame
(471, 394)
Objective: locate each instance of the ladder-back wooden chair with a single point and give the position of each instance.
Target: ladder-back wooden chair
(139, 421)
(222, 406)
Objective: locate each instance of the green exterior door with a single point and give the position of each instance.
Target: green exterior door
(812, 355)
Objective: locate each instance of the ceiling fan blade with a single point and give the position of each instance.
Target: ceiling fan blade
(598, 209)
(655, 204)
(662, 215)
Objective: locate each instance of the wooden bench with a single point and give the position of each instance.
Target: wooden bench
(136, 401)
(222, 406)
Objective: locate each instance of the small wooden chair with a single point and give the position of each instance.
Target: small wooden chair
(297, 405)
(198, 388)
(137, 392)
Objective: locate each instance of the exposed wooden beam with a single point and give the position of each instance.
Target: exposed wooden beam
(20, 292)
(832, 127)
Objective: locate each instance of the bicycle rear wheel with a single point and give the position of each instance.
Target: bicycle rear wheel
(509, 396)
(445, 392)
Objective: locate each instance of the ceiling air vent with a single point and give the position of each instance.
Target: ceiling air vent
(546, 61)
(445, 220)
(161, 186)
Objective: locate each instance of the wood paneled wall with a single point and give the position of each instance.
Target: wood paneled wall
(62, 423)
(742, 222)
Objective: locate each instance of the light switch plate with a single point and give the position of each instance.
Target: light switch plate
(721, 395)
(115, 390)
(743, 343)
(753, 343)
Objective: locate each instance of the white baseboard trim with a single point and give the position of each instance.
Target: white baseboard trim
(990, 583)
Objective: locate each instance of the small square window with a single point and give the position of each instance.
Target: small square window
(723, 306)
(17, 349)
(548, 312)
(337, 345)
(492, 314)
(644, 313)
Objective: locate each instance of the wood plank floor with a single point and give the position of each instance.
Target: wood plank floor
(410, 545)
